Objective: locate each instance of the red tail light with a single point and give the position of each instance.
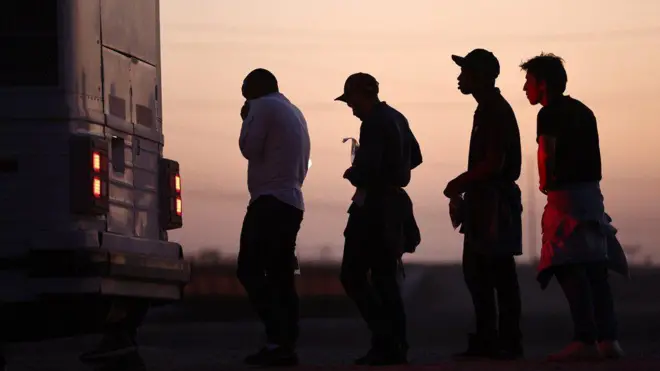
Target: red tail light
(96, 162)
(89, 175)
(179, 207)
(96, 187)
(171, 203)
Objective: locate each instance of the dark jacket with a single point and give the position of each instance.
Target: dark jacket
(382, 167)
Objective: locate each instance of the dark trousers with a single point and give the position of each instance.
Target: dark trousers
(370, 274)
(589, 297)
(488, 277)
(266, 266)
(136, 310)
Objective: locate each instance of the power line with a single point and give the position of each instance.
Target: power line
(345, 37)
(216, 28)
(206, 104)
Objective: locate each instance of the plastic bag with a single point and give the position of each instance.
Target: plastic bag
(354, 146)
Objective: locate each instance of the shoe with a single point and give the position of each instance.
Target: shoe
(478, 347)
(390, 358)
(131, 362)
(365, 359)
(111, 346)
(272, 357)
(383, 357)
(610, 349)
(575, 351)
(510, 354)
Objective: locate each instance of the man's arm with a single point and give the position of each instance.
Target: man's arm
(484, 170)
(368, 157)
(547, 130)
(546, 161)
(254, 131)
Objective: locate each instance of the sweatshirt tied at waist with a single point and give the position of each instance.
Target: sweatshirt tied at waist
(491, 218)
(390, 212)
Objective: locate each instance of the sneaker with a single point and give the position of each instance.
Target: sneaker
(272, 357)
(111, 346)
(610, 349)
(132, 362)
(510, 354)
(391, 358)
(365, 359)
(477, 348)
(575, 351)
(384, 357)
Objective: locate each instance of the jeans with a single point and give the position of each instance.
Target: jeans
(136, 311)
(370, 274)
(488, 276)
(267, 264)
(589, 297)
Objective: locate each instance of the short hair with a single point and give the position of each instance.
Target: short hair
(549, 68)
(263, 79)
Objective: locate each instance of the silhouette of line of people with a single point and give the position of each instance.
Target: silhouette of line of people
(579, 243)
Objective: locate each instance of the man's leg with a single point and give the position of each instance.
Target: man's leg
(119, 334)
(135, 318)
(280, 271)
(604, 313)
(354, 277)
(574, 282)
(277, 232)
(385, 272)
(509, 303)
(477, 271)
(251, 270)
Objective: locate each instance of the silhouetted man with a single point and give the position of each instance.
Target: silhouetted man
(579, 244)
(119, 339)
(381, 225)
(275, 141)
(491, 210)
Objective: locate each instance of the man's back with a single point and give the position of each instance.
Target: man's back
(405, 154)
(400, 149)
(495, 127)
(574, 126)
(276, 142)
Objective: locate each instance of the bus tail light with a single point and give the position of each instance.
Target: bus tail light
(171, 202)
(88, 158)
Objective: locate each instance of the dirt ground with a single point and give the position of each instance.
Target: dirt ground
(213, 334)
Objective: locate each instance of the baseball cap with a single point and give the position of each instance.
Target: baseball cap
(359, 82)
(480, 60)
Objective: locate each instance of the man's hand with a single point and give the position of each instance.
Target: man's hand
(453, 188)
(245, 110)
(350, 176)
(456, 211)
(546, 161)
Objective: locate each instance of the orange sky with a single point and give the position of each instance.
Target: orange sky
(612, 50)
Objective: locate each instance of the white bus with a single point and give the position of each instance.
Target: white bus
(86, 197)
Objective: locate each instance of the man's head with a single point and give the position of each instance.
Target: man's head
(258, 83)
(545, 78)
(479, 69)
(360, 93)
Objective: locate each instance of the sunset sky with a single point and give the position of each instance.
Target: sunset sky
(612, 53)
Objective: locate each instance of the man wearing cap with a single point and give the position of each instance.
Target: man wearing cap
(491, 211)
(381, 225)
(275, 141)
